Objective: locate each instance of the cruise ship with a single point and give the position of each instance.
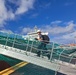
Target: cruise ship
(18, 56)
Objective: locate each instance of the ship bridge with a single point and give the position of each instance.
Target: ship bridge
(62, 59)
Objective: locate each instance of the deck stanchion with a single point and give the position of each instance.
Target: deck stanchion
(31, 46)
(14, 41)
(7, 40)
(60, 54)
(58, 63)
(51, 52)
(27, 46)
(70, 59)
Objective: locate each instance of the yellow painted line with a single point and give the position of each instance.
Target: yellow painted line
(13, 68)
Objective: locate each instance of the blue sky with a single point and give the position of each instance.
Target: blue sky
(57, 17)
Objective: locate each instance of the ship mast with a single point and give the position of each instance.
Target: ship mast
(35, 28)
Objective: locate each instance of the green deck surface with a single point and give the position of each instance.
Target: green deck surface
(9, 60)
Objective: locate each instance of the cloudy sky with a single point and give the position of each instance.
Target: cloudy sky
(57, 17)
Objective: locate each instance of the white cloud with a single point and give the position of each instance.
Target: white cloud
(27, 30)
(5, 14)
(45, 5)
(57, 29)
(6, 31)
(60, 34)
(17, 2)
(66, 38)
(34, 15)
(70, 35)
(56, 22)
(24, 6)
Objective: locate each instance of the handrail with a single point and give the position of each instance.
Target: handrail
(32, 46)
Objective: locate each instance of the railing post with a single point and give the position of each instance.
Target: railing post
(60, 54)
(75, 64)
(31, 46)
(70, 59)
(14, 41)
(6, 40)
(51, 52)
(58, 63)
(27, 45)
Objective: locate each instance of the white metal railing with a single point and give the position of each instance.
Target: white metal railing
(28, 45)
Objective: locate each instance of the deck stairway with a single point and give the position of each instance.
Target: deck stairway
(62, 59)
